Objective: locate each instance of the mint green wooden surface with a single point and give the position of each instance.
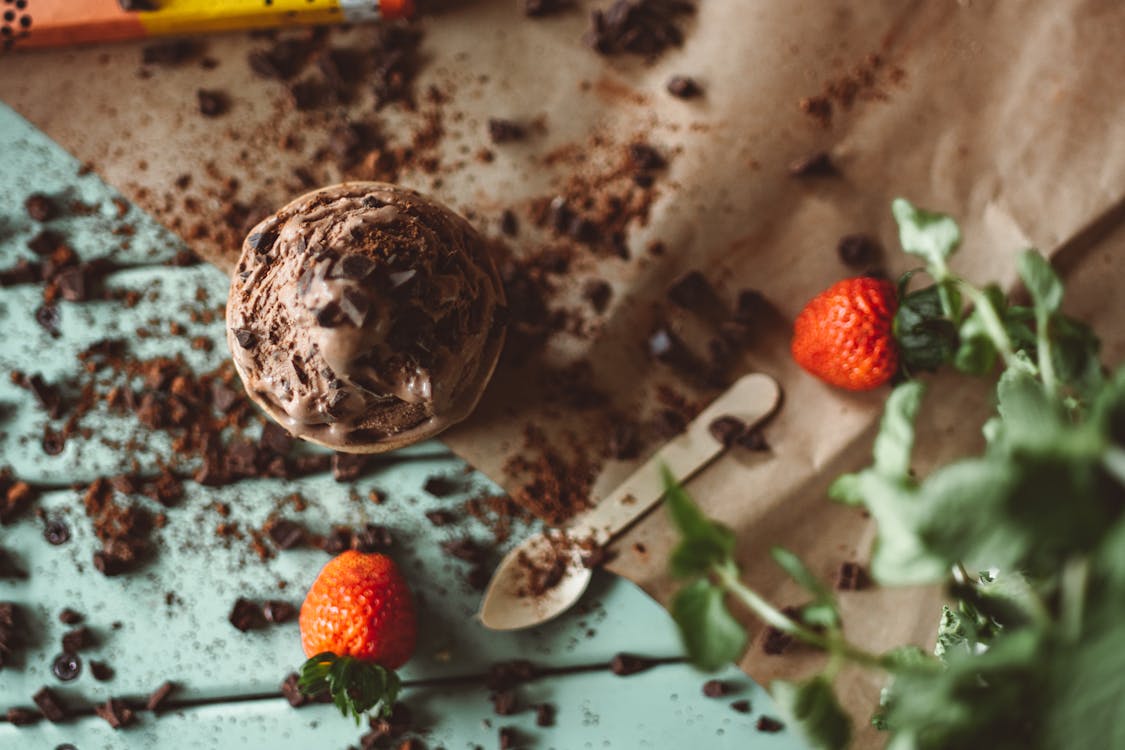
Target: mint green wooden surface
(173, 613)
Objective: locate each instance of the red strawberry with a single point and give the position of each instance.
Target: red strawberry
(844, 336)
(357, 625)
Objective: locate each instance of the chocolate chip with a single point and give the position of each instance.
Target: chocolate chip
(857, 250)
(440, 517)
(545, 715)
(158, 696)
(441, 486)
(307, 94)
(275, 439)
(262, 242)
(116, 713)
(750, 307)
(850, 577)
(278, 612)
(769, 725)
(715, 688)
(48, 704)
(624, 440)
(77, 639)
(45, 243)
(40, 207)
(246, 338)
(49, 317)
(559, 214)
(504, 703)
(508, 738)
(354, 266)
(372, 538)
(286, 534)
(741, 706)
(684, 87)
(478, 577)
(223, 397)
(246, 615)
(329, 316)
(727, 429)
(818, 164)
(171, 52)
(21, 717)
(646, 158)
(340, 539)
(753, 440)
(624, 665)
(101, 671)
(693, 291)
(356, 306)
(505, 131)
(370, 201)
(509, 224)
(73, 283)
(507, 674)
(292, 692)
(347, 467)
(56, 532)
(212, 103)
(464, 549)
(775, 641)
(66, 666)
(70, 617)
(598, 293)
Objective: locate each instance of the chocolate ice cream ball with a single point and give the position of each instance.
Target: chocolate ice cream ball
(365, 317)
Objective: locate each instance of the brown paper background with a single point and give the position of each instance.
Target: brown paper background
(1009, 115)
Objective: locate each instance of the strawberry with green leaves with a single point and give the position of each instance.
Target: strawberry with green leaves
(358, 625)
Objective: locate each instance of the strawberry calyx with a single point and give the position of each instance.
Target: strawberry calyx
(355, 686)
(926, 337)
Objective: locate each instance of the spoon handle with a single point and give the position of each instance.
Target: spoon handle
(751, 399)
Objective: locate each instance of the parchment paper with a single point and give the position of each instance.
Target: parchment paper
(1008, 115)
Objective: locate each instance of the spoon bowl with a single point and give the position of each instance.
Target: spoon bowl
(545, 575)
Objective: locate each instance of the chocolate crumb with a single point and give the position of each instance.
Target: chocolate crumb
(441, 486)
(292, 692)
(818, 164)
(858, 250)
(505, 131)
(624, 664)
(158, 696)
(684, 87)
(545, 715)
(246, 615)
(9, 567)
(101, 671)
(21, 717)
(77, 639)
(641, 27)
(66, 666)
(727, 429)
(509, 224)
(753, 440)
(851, 577)
(508, 738)
(769, 725)
(278, 612)
(741, 706)
(440, 518)
(286, 534)
(212, 103)
(41, 207)
(48, 704)
(70, 617)
(508, 674)
(347, 467)
(171, 52)
(504, 703)
(246, 338)
(598, 293)
(116, 713)
(715, 688)
(464, 549)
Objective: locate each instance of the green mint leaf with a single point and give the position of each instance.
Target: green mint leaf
(847, 489)
(1075, 352)
(711, 635)
(703, 542)
(823, 611)
(895, 441)
(926, 338)
(954, 634)
(1028, 413)
(813, 711)
(1042, 282)
(931, 236)
(901, 557)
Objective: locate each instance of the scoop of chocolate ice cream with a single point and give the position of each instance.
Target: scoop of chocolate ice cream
(365, 317)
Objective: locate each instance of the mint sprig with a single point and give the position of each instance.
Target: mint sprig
(1027, 538)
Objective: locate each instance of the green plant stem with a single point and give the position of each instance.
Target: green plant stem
(831, 641)
(991, 320)
(1043, 351)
